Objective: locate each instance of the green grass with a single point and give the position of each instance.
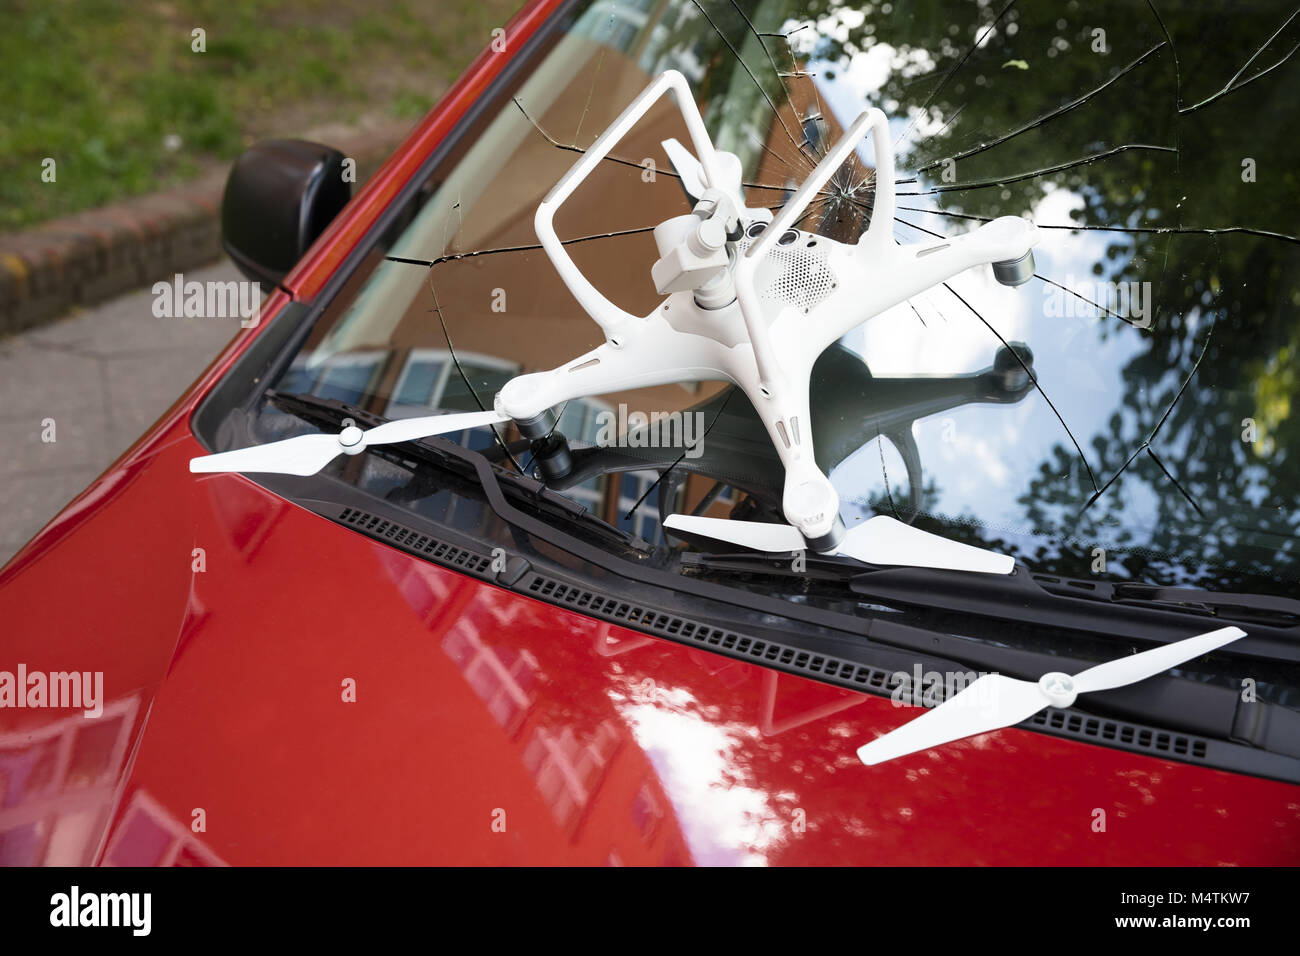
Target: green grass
(115, 95)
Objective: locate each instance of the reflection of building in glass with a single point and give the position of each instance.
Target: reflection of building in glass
(347, 376)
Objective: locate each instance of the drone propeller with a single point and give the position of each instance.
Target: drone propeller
(1012, 700)
(881, 540)
(308, 454)
(688, 168)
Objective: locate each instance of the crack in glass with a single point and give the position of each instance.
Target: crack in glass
(1158, 314)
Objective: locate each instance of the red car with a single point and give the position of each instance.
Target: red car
(480, 648)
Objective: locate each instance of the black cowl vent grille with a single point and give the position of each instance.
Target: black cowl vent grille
(421, 544)
(833, 670)
(1061, 723)
(769, 653)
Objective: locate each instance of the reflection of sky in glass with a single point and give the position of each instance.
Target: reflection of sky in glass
(980, 456)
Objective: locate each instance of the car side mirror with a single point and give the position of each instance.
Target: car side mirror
(280, 195)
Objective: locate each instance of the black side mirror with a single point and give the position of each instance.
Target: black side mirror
(280, 195)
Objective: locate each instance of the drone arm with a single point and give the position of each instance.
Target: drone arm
(808, 500)
(923, 265)
(894, 274)
(607, 315)
(653, 356)
(880, 230)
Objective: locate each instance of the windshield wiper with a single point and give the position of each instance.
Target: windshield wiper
(814, 567)
(1134, 611)
(1124, 610)
(448, 456)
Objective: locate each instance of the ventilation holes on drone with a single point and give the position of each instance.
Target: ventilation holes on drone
(804, 279)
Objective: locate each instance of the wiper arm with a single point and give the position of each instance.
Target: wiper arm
(448, 455)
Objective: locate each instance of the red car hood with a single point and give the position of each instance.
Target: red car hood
(280, 689)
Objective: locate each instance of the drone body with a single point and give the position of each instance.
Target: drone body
(750, 299)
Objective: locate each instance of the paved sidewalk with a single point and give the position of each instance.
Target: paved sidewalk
(103, 375)
(89, 257)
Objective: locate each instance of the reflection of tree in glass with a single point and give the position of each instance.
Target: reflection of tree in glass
(1154, 137)
(1130, 123)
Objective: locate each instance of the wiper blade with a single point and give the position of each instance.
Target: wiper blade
(814, 566)
(1145, 613)
(1094, 607)
(1265, 609)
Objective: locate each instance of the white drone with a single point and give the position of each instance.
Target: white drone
(750, 300)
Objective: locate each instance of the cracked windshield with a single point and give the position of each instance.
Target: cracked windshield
(1126, 409)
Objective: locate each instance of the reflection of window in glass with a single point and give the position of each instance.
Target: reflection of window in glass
(429, 380)
(348, 377)
(581, 419)
(420, 380)
(487, 375)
